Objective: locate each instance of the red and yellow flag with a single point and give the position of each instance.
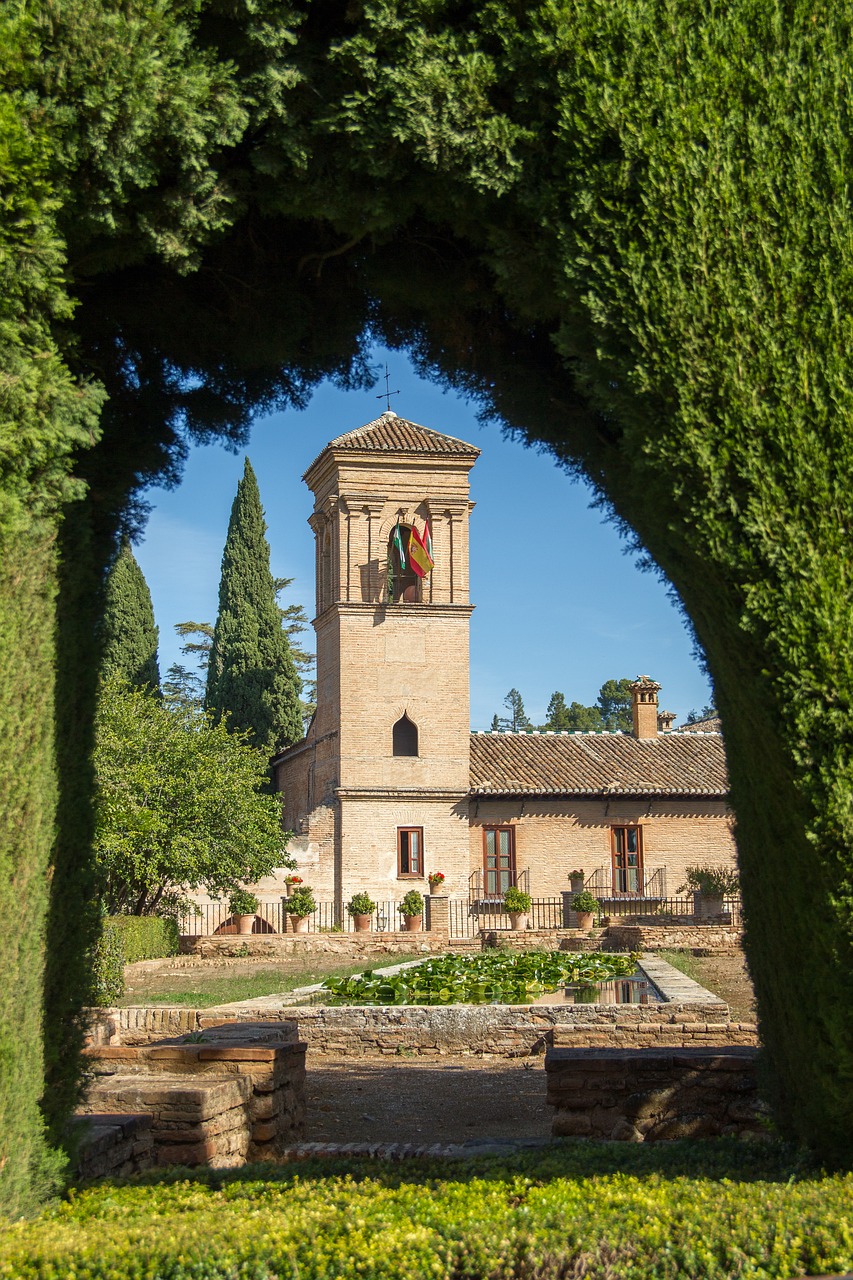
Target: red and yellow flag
(419, 557)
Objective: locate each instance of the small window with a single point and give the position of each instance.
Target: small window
(404, 737)
(404, 585)
(410, 851)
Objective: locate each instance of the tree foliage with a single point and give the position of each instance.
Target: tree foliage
(251, 679)
(128, 632)
(621, 225)
(612, 710)
(517, 721)
(179, 805)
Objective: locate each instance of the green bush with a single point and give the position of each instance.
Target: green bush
(585, 902)
(412, 904)
(301, 901)
(146, 937)
(108, 965)
(516, 900)
(361, 904)
(242, 903)
(125, 939)
(716, 1210)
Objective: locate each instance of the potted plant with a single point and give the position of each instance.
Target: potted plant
(290, 883)
(300, 906)
(436, 880)
(243, 905)
(709, 884)
(517, 903)
(361, 907)
(586, 906)
(576, 880)
(412, 910)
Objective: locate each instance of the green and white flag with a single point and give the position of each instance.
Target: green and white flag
(398, 543)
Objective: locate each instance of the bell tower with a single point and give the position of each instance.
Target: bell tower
(377, 792)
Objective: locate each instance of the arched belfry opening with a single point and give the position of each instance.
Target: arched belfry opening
(404, 585)
(404, 737)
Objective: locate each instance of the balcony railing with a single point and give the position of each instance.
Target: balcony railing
(651, 884)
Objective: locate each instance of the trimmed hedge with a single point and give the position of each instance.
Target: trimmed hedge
(555, 1213)
(125, 939)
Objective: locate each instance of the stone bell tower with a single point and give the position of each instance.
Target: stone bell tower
(377, 792)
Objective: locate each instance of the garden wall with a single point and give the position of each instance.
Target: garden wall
(705, 939)
(653, 1095)
(263, 946)
(235, 1094)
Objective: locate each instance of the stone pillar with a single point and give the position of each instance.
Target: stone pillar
(438, 914)
(570, 919)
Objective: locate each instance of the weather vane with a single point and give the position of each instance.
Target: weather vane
(386, 394)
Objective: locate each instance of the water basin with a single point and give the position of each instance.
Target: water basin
(636, 990)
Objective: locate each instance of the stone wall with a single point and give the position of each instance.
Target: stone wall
(111, 1146)
(702, 939)
(236, 1093)
(653, 1095)
(266, 946)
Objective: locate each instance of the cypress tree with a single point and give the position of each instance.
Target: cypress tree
(128, 631)
(252, 681)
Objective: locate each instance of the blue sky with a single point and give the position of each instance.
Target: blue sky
(559, 603)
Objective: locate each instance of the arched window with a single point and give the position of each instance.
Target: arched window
(404, 737)
(404, 585)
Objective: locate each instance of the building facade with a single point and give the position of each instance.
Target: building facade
(390, 784)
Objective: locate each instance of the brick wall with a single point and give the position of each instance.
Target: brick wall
(653, 1095)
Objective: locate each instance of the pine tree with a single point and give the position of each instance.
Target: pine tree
(517, 720)
(252, 681)
(128, 631)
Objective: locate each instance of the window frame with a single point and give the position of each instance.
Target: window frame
(512, 870)
(413, 736)
(410, 875)
(616, 871)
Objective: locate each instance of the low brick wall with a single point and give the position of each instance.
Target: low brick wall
(704, 939)
(653, 1095)
(265, 946)
(110, 1146)
(237, 1095)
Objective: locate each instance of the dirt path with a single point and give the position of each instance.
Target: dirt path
(451, 1099)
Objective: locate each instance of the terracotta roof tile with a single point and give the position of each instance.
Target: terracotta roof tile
(711, 724)
(391, 434)
(672, 764)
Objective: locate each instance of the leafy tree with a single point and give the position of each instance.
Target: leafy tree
(495, 726)
(251, 680)
(705, 714)
(179, 805)
(583, 719)
(182, 683)
(128, 631)
(557, 715)
(614, 704)
(517, 720)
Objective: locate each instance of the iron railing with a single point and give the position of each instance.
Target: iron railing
(468, 918)
(661, 908)
(652, 883)
(214, 918)
(515, 880)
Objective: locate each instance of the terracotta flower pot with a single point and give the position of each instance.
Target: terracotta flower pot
(585, 919)
(362, 923)
(518, 919)
(300, 923)
(412, 924)
(244, 923)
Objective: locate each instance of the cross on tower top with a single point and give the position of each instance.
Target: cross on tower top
(387, 394)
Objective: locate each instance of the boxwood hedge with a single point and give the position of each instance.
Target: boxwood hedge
(567, 1210)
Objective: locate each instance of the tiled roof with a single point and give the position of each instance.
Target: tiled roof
(711, 724)
(390, 434)
(595, 764)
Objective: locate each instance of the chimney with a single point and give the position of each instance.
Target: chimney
(666, 719)
(644, 707)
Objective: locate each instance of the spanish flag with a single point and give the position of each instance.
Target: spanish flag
(419, 557)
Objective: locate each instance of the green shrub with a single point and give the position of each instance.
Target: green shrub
(516, 900)
(361, 904)
(718, 1210)
(412, 904)
(301, 902)
(242, 903)
(585, 902)
(108, 965)
(714, 881)
(146, 937)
